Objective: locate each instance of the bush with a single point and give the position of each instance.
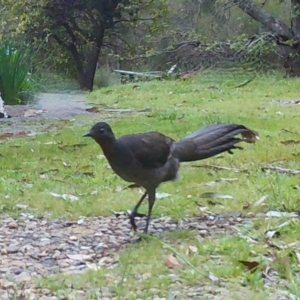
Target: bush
(105, 78)
(15, 64)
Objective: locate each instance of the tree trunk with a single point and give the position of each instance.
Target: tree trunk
(289, 37)
(86, 75)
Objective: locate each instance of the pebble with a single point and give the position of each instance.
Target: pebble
(12, 249)
(43, 247)
(12, 225)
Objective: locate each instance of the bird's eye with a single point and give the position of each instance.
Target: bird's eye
(101, 130)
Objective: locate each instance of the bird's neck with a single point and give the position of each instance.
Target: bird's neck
(114, 151)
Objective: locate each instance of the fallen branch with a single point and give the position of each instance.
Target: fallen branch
(245, 82)
(281, 170)
(218, 168)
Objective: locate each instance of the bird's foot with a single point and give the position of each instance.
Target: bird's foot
(132, 216)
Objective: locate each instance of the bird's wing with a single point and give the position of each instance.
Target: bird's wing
(150, 149)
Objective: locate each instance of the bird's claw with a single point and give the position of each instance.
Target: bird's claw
(132, 216)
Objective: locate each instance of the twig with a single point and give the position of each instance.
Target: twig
(281, 170)
(245, 82)
(218, 168)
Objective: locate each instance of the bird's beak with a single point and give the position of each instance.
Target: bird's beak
(87, 134)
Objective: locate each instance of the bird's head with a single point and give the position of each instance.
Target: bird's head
(101, 132)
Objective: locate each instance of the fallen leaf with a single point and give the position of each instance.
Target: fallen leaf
(80, 221)
(65, 196)
(213, 203)
(246, 205)
(214, 195)
(93, 110)
(289, 142)
(214, 278)
(132, 186)
(50, 143)
(186, 76)
(297, 255)
(281, 214)
(118, 189)
(21, 206)
(171, 261)
(73, 147)
(260, 201)
(33, 112)
(65, 164)
(119, 213)
(222, 180)
(218, 168)
(250, 265)
(275, 231)
(162, 195)
(271, 233)
(92, 266)
(280, 170)
(192, 249)
(80, 257)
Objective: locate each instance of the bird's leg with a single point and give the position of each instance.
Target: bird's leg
(134, 213)
(151, 201)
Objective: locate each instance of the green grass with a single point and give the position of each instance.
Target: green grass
(62, 161)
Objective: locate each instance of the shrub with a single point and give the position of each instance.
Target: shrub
(15, 64)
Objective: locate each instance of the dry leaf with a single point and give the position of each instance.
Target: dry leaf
(33, 112)
(246, 205)
(260, 201)
(92, 266)
(214, 278)
(275, 231)
(92, 110)
(280, 170)
(73, 147)
(218, 168)
(289, 142)
(192, 249)
(132, 186)
(118, 189)
(215, 195)
(50, 143)
(65, 196)
(297, 255)
(171, 261)
(80, 257)
(222, 180)
(280, 214)
(162, 195)
(251, 265)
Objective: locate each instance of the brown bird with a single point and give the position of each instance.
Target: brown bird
(150, 158)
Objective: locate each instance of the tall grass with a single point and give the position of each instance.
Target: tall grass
(15, 64)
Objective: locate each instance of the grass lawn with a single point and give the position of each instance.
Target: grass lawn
(63, 162)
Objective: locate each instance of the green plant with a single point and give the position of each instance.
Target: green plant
(14, 72)
(105, 78)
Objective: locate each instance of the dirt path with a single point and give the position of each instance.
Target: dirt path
(49, 106)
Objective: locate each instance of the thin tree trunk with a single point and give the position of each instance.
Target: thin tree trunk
(86, 78)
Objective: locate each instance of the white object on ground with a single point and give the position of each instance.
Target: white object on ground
(2, 109)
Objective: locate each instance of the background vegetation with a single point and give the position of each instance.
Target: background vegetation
(86, 40)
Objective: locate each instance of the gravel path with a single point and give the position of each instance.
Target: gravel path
(37, 247)
(49, 106)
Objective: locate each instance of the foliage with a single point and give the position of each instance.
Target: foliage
(15, 64)
(78, 26)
